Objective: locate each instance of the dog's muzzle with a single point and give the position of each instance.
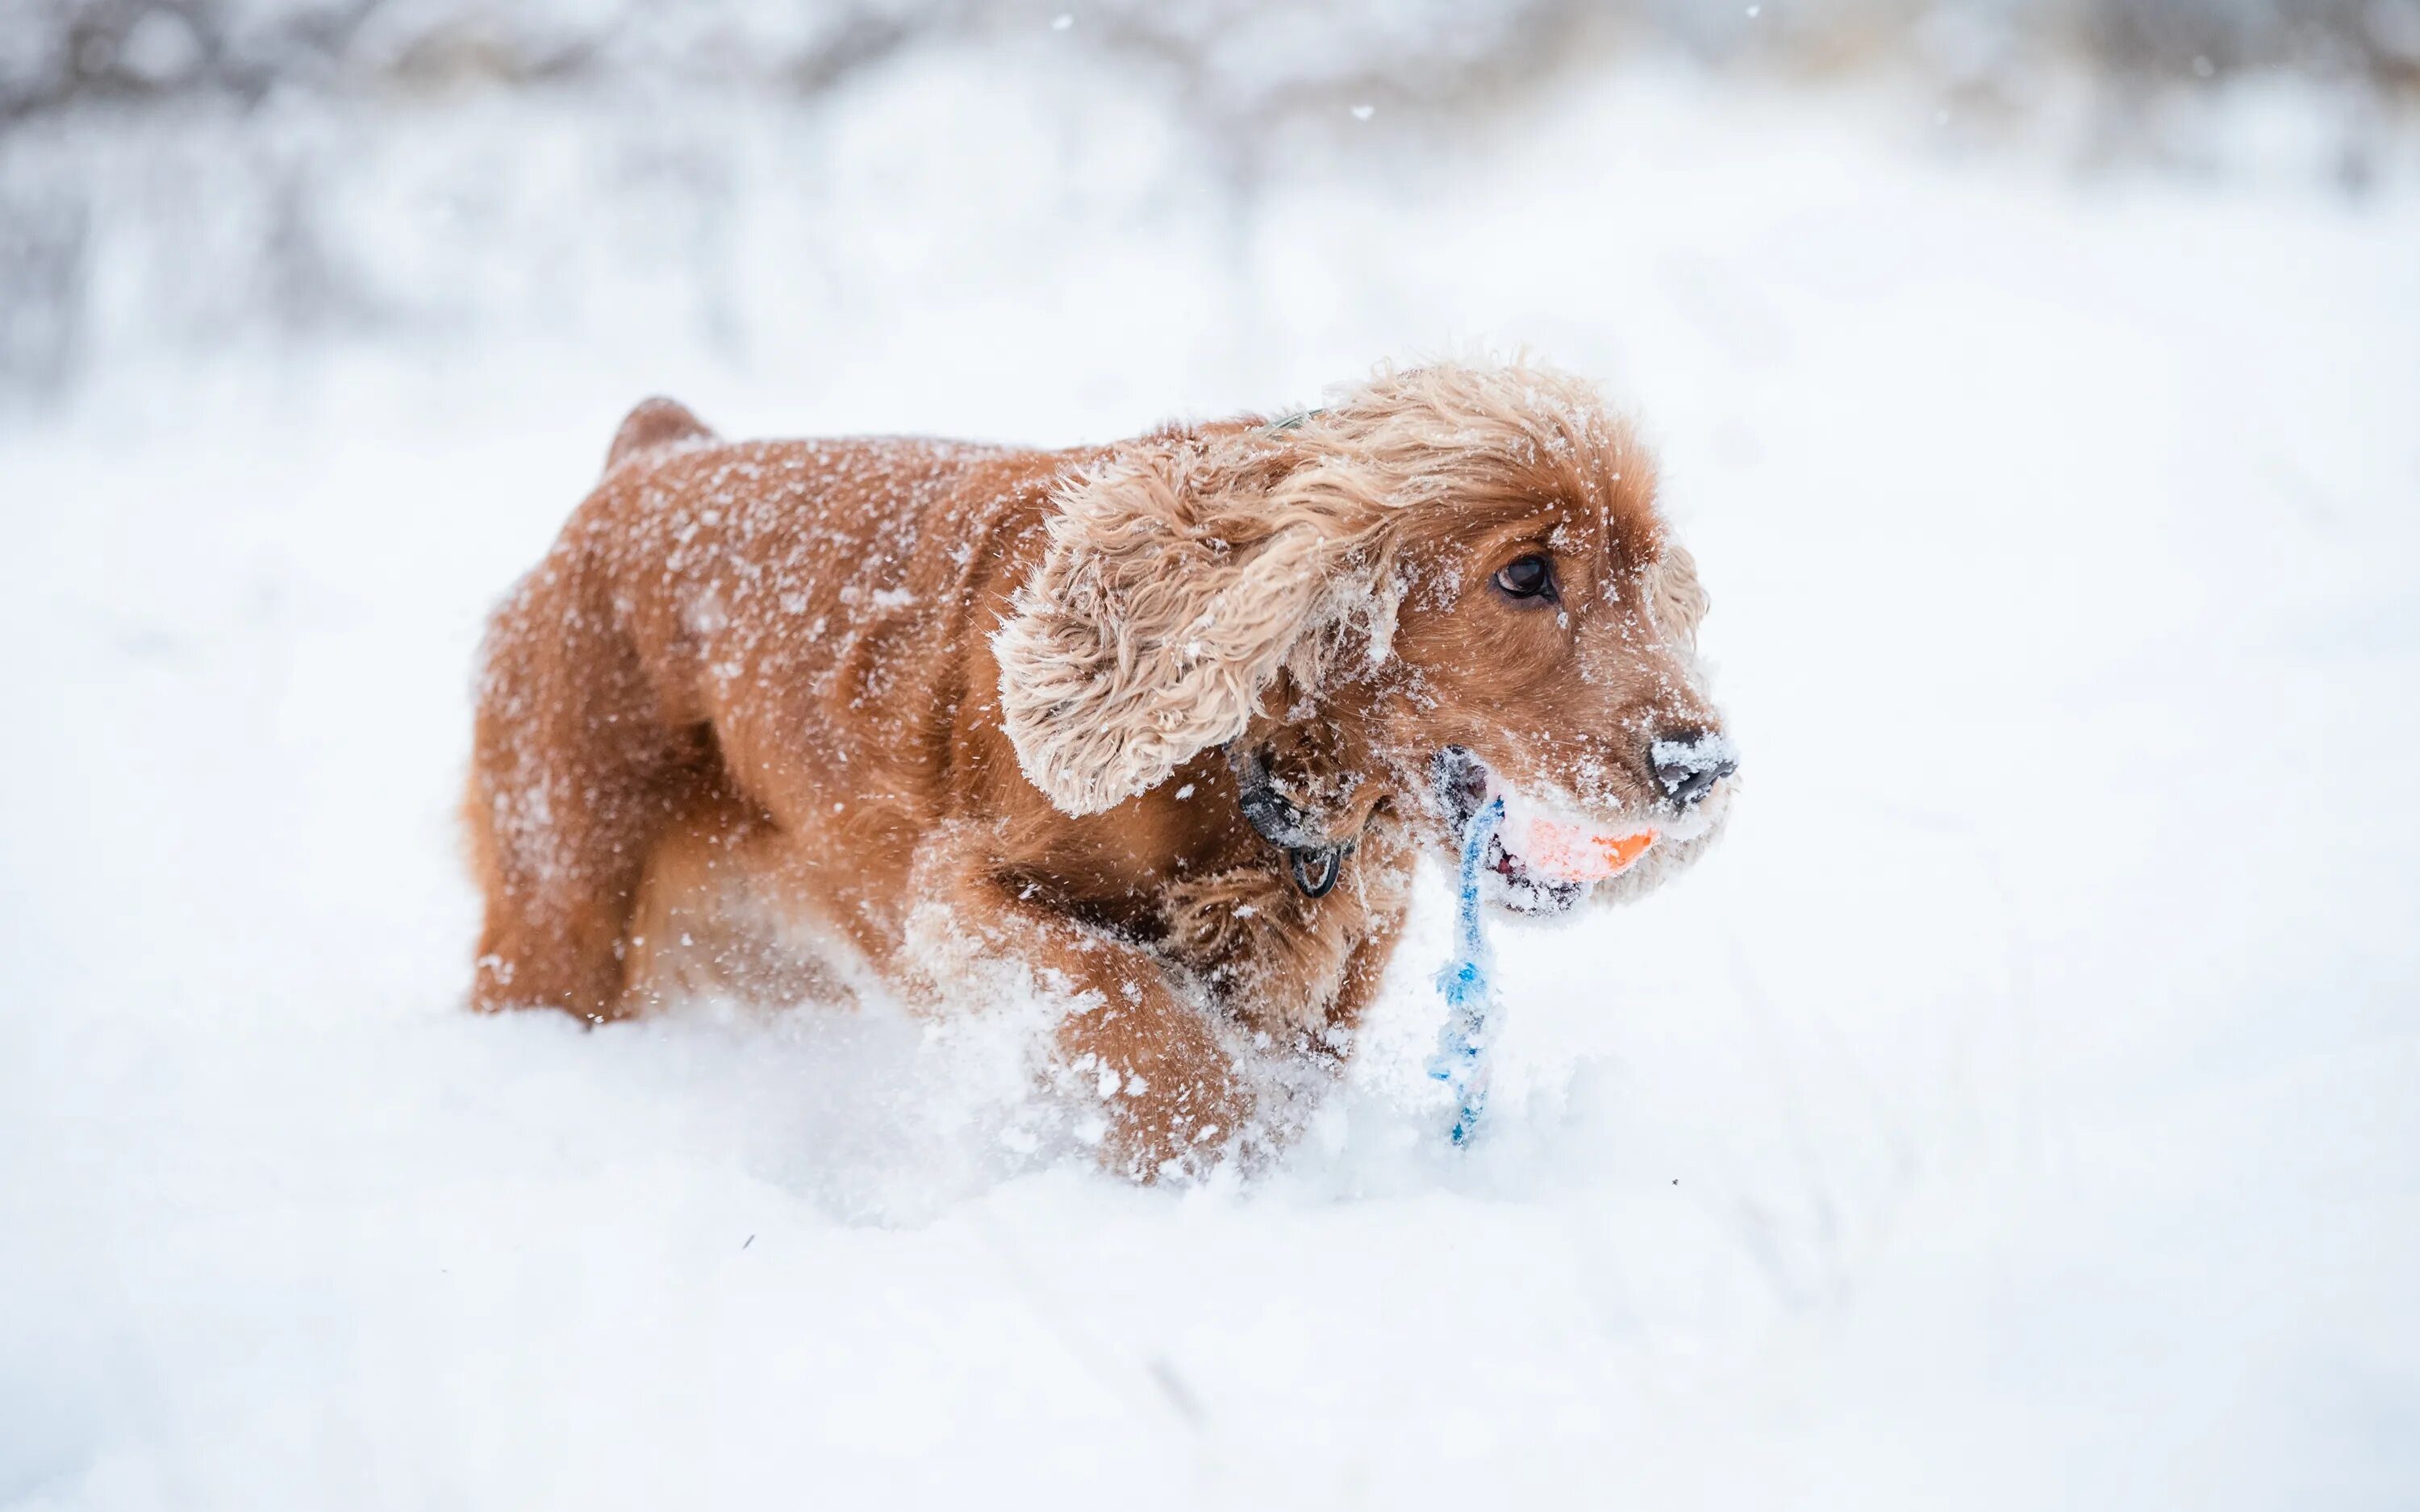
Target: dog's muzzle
(1688, 762)
(1546, 861)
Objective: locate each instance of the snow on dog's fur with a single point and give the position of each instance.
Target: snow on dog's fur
(1163, 725)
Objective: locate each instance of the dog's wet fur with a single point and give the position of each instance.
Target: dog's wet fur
(782, 718)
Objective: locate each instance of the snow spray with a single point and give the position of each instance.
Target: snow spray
(1461, 1058)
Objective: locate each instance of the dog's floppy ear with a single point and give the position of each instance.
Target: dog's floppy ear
(1181, 574)
(1674, 597)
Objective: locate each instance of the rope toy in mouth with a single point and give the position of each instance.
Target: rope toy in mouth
(1565, 854)
(1461, 1058)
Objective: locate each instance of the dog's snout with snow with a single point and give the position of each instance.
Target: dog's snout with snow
(1688, 760)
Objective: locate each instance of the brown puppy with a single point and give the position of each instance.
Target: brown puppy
(1155, 729)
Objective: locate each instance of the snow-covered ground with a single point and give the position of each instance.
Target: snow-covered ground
(2018, 1111)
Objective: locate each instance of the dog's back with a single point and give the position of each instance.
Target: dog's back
(712, 612)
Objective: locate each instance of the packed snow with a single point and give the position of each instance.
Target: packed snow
(2016, 1109)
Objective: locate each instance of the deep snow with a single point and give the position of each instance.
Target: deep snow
(2016, 1110)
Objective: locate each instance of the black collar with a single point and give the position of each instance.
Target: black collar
(1316, 871)
(1315, 860)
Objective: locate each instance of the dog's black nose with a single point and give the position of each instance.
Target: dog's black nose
(1688, 762)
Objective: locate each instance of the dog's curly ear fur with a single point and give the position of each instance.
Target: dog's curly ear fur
(1187, 569)
(1674, 596)
(1182, 575)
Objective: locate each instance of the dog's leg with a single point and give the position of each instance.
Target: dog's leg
(573, 779)
(1171, 1094)
(1365, 971)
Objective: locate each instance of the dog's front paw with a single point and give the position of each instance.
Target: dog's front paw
(1179, 1149)
(1171, 1127)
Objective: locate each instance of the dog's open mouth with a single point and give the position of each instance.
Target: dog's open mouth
(1524, 892)
(1544, 862)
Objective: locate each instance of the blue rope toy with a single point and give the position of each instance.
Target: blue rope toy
(1461, 1058)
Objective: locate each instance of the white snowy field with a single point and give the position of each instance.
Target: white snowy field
(2017, 1111)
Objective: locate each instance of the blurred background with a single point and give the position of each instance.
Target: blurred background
(206, 179)
(2017, 1110)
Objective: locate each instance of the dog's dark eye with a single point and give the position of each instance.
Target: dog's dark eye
(1529, 576)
